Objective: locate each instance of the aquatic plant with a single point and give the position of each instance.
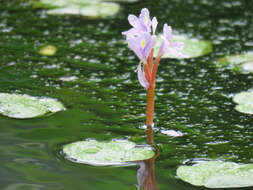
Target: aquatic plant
(141, 38)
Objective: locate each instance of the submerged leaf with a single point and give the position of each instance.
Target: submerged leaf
(24, 106)
(48, 50)
(217, 174)
(115, 152)
(244, 101)
(192, 47)
(241, 62)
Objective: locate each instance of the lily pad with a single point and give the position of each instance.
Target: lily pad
(241, 62)
(192, 47)
(48, 50)
(115, 152)
(217, 174)
(24, 106)
(93, 10)
(244, 101)
(125, 1)
(86, 8)
(49, 4)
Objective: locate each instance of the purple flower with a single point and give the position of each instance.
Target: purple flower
(141, 24)
(168, 46)
(142, 45)
(141, 77)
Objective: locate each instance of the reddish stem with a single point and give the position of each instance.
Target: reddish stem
(151, 91)
(147, 73)
(153, 74)
(150, 105)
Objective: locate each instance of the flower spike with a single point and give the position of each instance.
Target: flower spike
(142, 42)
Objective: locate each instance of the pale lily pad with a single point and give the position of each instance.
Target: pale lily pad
(86, 8)
(24, 106)
(217, 174)
(48, 50)
(92, 10)
(49, 4)
(192, 47)
(241, 62)
(244, 101)
(115, 152)
(125, 1)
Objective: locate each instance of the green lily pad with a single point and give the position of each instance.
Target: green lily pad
(115, 152)
(86, 8)
(242, 62)
(24, 106)
(192, 47)
(244, 101)
(217, 174)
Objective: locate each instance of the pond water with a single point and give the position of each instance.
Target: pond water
(93, 75)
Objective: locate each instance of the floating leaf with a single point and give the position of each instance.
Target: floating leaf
(242, 62)
(126, 1)
(49, 4)
(93, 10)
(115, 152)
(244, 101)
(24, 106)
(48, 50)
(87, 8)
(192, 47)
(217, 174)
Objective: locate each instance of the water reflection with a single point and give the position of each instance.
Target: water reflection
(146, 173)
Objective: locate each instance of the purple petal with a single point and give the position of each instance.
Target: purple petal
(133, 20)
(178, 46)
(167, 32)
(144, 16)
(176, 49)
(141, 77)
(144, 20)
(131, 33)
(144, 12)
(150, 44)
(134, 46)
(162, 49)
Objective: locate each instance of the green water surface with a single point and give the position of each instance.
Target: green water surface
(105, 101)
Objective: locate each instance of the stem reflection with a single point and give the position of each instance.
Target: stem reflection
(146, 172)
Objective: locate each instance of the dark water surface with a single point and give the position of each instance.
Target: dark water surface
(106, 101)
